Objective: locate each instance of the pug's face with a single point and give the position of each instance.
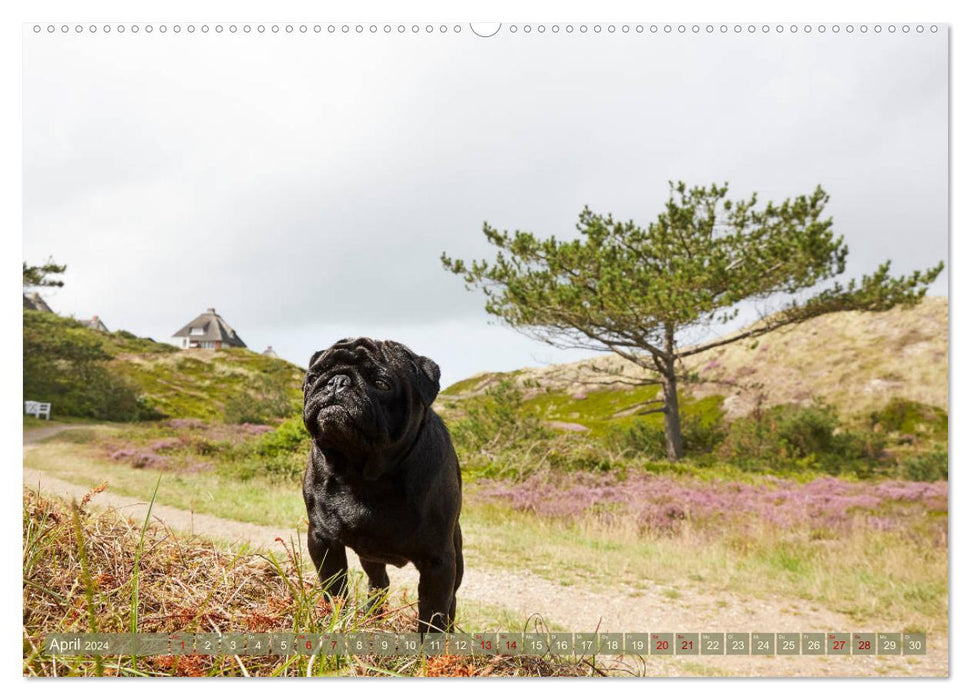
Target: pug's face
(365, 400)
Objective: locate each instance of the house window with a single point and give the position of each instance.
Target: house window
(196, 331)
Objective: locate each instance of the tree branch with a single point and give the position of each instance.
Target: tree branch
(644, 382)
(653, 410)
(753, 333)
(646, 402)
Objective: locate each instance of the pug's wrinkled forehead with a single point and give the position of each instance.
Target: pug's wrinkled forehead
(355, 352)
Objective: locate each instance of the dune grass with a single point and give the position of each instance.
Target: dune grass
(100, 573)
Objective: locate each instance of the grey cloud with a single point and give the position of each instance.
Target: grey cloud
(301, 183)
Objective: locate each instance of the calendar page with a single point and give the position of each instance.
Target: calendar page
(437, 348)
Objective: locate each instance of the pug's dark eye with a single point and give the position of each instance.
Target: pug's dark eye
(381, 384)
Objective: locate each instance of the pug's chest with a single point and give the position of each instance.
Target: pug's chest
(375, 527)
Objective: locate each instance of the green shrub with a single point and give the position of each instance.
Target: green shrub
(802, 438)
(647, 438)
(788, 432)
(804, 431)
(265, 399)
(859, 444)
(278, 454)
(245, 462)
(749, 440)
(88, 391)
(925, 466)
(497, 420)
(573, 452)
(290, 437)
(702, 436)
(122, 341)
(286, 466)
(500, 437)
(638, 438)
(244, 408)
(241, 469)
(911, 417)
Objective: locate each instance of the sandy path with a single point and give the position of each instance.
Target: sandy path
(578, 610)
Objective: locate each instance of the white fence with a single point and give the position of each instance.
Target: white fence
(37, 409)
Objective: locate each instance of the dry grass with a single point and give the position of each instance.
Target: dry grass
(856, 361)
(87, 572)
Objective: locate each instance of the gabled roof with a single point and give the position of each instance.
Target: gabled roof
(94, 323)
(210, 326)
(34, 302)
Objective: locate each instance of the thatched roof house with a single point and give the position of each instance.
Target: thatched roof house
(207, 330)
(35, 302)
(94, 323)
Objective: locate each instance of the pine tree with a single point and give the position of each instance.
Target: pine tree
(635, 291)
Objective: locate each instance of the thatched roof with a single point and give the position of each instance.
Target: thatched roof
(34, 302)
(210, 326)
(94, 323)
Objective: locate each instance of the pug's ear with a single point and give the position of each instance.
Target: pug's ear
(313, 358)
(428, 376)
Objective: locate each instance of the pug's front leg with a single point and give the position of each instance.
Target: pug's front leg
(330, 561)
(436, 585)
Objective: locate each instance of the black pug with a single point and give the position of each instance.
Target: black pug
(383, 477)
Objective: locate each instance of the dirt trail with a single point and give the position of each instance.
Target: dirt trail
(576, 609)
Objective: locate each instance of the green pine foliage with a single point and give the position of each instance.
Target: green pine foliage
(43, 275)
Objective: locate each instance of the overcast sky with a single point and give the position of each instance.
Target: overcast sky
(306, 185)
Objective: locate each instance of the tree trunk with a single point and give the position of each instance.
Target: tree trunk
(673, 439)
(672, 416)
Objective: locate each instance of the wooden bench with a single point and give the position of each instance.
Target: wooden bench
(37, 409)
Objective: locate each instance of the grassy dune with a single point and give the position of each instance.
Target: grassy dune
(118, 366)
(856, 361)
(200, 383)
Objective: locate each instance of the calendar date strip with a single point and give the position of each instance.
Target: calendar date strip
(491, 644)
